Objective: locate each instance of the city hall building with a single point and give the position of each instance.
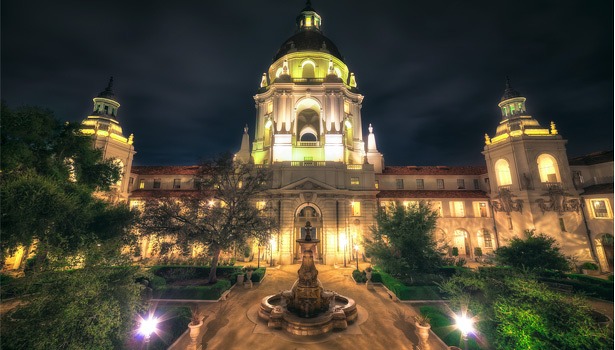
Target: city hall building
(327, 169)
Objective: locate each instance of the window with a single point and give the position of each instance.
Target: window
(502, 172)
(377, 184)
(156, 183)
(437, 207)
(458, 209)
(476, 184)
(440, 183)
(547, 167)
(487, 239)
(131, 181)
(420, 184)
(408, 204)
(461, 184)
(260, 205)
(355, 208)
(141, 184)
(177, 183)
(600, 208)
(354, 180)
(562, 225)
(399, 183)
(480, 209)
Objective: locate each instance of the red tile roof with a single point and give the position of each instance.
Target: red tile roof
(598, 189)
(166, 170)
(432, 194)
(434, 170)
(592, 158)
(138, 194)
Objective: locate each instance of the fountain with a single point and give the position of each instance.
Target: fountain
(307, 308)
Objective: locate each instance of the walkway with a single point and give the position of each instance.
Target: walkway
(389, 324)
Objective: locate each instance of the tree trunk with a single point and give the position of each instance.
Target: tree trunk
(214, 265)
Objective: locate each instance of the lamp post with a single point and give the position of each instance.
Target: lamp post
(465, 326)
(356, 253)
(344, 242)
(147, 327)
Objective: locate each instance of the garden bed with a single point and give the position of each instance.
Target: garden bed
(443, 326)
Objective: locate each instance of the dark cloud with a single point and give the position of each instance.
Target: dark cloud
(432, 72)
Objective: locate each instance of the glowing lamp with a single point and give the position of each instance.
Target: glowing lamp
(464, 324)
(148, 326)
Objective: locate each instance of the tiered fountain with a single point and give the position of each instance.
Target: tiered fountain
(307, 308)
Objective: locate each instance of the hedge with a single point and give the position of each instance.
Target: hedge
(211, 292)
(592, 280)
(359, 276)
(401, 291)
(590, 289)
(179, 273)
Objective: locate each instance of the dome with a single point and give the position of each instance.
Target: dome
(308, 40)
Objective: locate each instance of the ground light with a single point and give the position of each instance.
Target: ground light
(465, 326)
(147, 327)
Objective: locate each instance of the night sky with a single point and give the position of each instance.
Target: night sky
(432, 72)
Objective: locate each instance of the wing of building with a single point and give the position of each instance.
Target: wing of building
(309, 132)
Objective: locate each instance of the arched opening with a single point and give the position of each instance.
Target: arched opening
(502, 172)
(307, 69)
(548, 169)
(308, 125)
(304, 213)
(462, 242)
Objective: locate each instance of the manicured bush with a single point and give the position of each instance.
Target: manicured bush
(583, 284)
(359, 276)
(180, 273)
(589, 266)
(401, 291)
(258, 274)
(211, 292)
(590, 279)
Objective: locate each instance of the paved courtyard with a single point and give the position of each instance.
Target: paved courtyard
(382, 324)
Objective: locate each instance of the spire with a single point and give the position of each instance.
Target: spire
(108, 92)
(244, 152)
(371, 140)
(509, 92)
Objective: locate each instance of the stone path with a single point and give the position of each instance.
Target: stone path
(386, 324)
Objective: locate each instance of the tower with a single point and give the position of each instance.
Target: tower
(530, 179)
(108, 136)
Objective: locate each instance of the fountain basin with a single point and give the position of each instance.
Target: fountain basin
(338, 316)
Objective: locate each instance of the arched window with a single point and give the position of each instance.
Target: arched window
(308, 125)
(548, 169)
(308, 69)
(502, 172)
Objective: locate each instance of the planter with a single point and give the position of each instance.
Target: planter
(195, 330)
(240, 279)
(249, 275)
(423, 333)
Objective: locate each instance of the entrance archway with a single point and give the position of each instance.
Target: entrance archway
(308, 212)
(462, 242)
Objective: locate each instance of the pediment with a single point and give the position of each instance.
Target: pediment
(308, 184)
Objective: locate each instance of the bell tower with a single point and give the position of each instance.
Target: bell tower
(530, 178)
(107, 135)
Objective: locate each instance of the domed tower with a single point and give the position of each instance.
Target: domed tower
(530, 178)
(308, 106)
(108, 136)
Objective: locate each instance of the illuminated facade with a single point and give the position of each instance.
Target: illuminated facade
(309, 133)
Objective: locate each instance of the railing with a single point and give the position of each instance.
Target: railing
(505, 187)
(552, 185)
(307, 80)
(308, 143)
(354, 166)
(307, 163)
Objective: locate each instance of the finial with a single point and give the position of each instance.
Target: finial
(245, 129)
(131, 139)
(308, 3)
(371, 130)
(553, 129)
(110, 85)
(487, 139)
(508, 82)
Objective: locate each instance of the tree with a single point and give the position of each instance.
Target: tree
(403, 239)
(220, 214)
(535, 252)
(49, 174)
(517, 312)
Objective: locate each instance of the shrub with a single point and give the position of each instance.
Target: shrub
(460, 262)
(589, 266)
(258, 274)
(478, 251)
(180, 273)
(534, 252)
(449, 271)
(455, 251)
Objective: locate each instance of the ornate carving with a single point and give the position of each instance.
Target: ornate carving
(506, 203)
(559, 201)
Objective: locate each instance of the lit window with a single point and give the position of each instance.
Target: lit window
(547, 167)
(356, 208)
(408, 204)
(377, 184)
(476, 184)
(141, 184)
(440, 183)
(461, 184)
(308, 21)
(135, 204)
(420, 184)
(156, 183)
(177, 183)
(354, 180)
(481, 209)
(399, 183)
(260, 205)
(502, 172)
(458, 209)
(487, 238)
(600, 208)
